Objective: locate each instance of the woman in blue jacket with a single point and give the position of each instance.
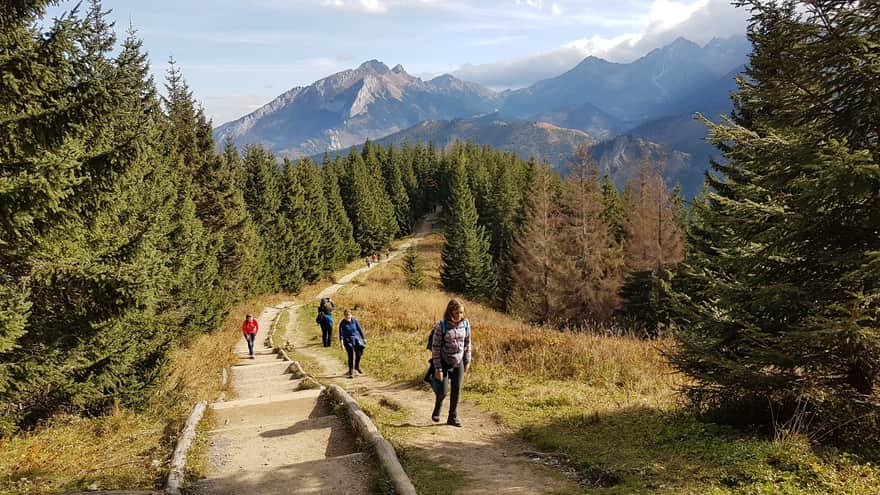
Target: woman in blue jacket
(351, 333)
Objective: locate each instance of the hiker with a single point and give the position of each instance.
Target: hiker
(249, 329)
(325, 320)
(351, 333)
(367, 259)
(451, 356)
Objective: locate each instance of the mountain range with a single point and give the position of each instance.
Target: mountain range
(648, 104)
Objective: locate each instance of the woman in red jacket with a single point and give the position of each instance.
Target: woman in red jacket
(249, 328)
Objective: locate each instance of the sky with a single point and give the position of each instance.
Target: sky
(237, 55)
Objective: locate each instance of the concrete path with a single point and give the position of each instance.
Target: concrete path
(275, 438)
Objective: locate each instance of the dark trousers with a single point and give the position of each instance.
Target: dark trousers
(354, 355)
(326, 335)
(249, 337)
(452, 374)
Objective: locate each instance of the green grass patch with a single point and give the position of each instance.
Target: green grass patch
(428, 476)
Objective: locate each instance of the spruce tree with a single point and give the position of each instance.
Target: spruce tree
(466, 263)
(613, 213)
(86, 246)
(367, 203)
(785, 265)
(654, 244)
(534, 293)
(244, 267)
(590, 259)
(263, 196)
(394, 188)
(413, 270)
(339, 244)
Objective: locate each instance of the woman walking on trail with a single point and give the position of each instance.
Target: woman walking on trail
(451, 356)
(351, 333)
(325, 320)
(249, 329)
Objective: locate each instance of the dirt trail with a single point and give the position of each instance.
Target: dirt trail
(493, 459)
(274, 438)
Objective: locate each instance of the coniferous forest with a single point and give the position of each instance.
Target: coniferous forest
(124, 231)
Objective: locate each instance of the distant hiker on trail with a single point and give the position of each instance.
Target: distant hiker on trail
(325, 320)
(249, 328)
(367, 259)
(351, 333)
(451, 356)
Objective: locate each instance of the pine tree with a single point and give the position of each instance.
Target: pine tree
(244, 266)
(87, 247)
(413, 270)
(613, 213)
(534, 291)
(367, 203)
(263, 196)
(784, 263)
(654, 244)
(394, 188)
(466, 263)
(199, 290)
(339, 244)
(591, 259)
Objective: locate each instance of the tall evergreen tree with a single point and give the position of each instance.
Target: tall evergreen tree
(244, 267)
(534, 291)
(86, 246)
(591, 259)
(367, 203)
(654, 244)
(263, 196)
(466, 263)
(339, 244)
(613, 213)
(787, 256)
(394, 188)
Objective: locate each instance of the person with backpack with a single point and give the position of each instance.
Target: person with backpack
(450, 344)
(249, 329)
(351, 334)
(325, 320)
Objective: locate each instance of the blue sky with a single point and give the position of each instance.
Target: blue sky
(237, 55)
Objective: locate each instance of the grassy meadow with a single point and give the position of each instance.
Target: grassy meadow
(126, 449)
(607, 406)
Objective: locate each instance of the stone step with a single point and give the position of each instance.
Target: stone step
(267, 390)
(247, 366)
(320, 476)
(279, 377)
(272, 408)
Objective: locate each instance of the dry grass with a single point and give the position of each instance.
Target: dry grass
(608, 404)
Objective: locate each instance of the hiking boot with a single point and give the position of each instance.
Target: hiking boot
(359, 371)
(435, 418)
(454, 422)
(350, 375)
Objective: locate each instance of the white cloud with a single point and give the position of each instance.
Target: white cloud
(556, 10)
(698, 21)
(373, 6)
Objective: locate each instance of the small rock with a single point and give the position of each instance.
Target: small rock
(94, 486)
(155, 463)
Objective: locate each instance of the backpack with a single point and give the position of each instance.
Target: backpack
(431, 335)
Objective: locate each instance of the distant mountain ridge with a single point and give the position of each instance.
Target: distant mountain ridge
(354, 105)
(652, 100)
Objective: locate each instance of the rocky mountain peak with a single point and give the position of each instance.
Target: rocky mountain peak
(374, 66)
(398, 69)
